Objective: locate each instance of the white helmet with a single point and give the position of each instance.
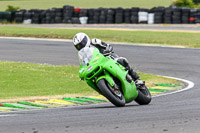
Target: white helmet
(81, 40)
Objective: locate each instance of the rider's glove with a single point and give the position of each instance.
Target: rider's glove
(108, 50)
(97, 42)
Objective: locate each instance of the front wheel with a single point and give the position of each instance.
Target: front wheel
(114, 96)
(144, 96)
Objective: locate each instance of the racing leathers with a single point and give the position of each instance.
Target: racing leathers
(107, 49)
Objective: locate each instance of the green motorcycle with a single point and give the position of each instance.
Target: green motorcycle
(110, 79)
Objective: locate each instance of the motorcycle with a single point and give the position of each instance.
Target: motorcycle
(110, 78)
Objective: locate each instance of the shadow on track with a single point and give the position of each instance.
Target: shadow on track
(106, 106)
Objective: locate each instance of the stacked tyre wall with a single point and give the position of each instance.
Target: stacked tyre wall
(69, 14)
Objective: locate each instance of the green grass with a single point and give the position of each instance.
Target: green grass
(185, 39)
(46, 4)
(25, 80)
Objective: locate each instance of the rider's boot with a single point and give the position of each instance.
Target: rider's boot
(136, 77)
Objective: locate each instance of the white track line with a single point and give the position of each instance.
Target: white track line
(39, 39)
(7, 115)
(190, 85)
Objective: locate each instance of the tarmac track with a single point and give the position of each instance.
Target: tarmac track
(176, 113)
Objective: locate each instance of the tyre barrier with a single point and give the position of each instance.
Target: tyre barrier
(5, 16)
(69, 14)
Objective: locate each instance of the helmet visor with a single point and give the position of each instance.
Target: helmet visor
(82, 44)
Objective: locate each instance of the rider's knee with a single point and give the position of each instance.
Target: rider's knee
(123, 61)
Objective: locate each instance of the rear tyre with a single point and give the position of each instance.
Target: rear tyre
(144, 96)
(115, 98)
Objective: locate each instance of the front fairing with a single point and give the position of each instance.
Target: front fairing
(89, 58)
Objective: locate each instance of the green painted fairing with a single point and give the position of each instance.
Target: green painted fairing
(83, 70)
(101, 63)
(118, 71)
(107, 77)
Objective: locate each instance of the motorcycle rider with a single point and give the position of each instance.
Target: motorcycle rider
(82, 40)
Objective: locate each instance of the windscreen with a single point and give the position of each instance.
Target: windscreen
(85, 55)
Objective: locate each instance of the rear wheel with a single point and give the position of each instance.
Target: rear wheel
(115, 96)
(144, 96)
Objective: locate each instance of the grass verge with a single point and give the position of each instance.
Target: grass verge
(36, 81)
(45, 4)
(185, 39)
(25, 79)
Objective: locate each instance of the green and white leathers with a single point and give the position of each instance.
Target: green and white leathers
(109, 78)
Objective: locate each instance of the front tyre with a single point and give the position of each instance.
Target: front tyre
(144, 96)
(115, 98)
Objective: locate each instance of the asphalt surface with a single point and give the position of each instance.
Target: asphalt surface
(175, 113)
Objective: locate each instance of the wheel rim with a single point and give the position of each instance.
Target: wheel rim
(115, 91)
(145, 91)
